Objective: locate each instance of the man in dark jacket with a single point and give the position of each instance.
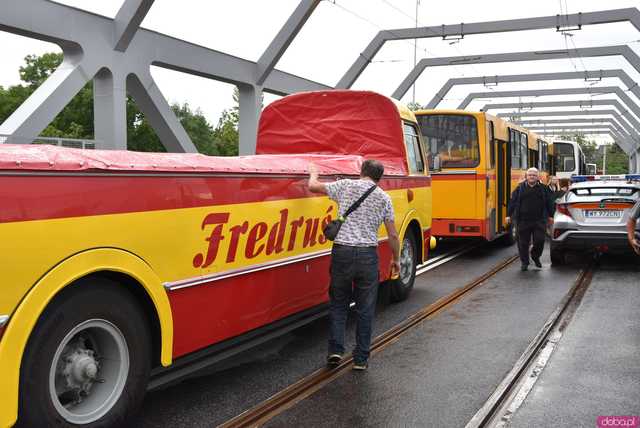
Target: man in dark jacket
(532, 207)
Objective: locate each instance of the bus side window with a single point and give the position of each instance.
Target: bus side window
(414, 154)
(524, 150)
(515, 148)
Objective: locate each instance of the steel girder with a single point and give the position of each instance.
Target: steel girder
(570, 113)
(561, 91)
(250, 99)
(586, 129)
(626, 143)
(550, 92)
(536, 77)
(582, 104)
(611, 132)
(624, 130)
(577, 20)
(621, 50)
(117, 55)
(615, 50)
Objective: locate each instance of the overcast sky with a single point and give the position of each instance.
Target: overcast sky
(339, 30)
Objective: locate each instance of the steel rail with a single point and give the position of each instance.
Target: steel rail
(492, 411)
(288, 397)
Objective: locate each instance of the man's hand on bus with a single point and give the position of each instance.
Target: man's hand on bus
(394, 268)
(550, 221)
(635, 245)
(315, 185)
(507, 221)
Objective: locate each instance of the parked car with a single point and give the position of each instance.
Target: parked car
(593, 214)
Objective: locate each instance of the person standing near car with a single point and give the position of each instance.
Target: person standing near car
(632, 235)
(532, 208)
(354, 257)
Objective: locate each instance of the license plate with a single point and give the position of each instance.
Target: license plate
(603, 213)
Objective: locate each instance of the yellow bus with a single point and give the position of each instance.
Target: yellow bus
(476, 160)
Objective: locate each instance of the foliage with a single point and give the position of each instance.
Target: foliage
(617, 160)
(414, 106)
(76, 119)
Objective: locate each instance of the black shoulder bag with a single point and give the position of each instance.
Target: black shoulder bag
(332, 228)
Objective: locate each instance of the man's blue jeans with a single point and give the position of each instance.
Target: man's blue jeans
(354, 277)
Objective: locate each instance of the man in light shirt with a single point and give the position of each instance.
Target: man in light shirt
(354, 257)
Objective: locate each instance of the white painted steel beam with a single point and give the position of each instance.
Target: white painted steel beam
(558, 22)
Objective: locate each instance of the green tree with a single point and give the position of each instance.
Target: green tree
(414, 106)
(617, 160)
(76, 119)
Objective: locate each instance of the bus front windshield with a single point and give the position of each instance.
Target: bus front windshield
(452, 140)
(565, 158)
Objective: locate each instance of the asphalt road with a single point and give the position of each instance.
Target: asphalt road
(438, 374)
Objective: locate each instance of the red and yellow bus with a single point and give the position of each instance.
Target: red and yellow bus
(476, 161)
(117, 263)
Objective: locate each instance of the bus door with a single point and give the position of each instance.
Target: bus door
(503, 180)
(491, 183)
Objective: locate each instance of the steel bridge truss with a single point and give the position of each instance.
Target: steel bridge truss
(116, 54)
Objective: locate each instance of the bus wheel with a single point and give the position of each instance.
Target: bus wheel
(87, 361)
(557, 257)
(511, 236)
(401, 287)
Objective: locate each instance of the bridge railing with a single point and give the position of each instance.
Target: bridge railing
(56, 141)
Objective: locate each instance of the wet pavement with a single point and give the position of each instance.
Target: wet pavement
(441, 372)
(437, 374)
(595, 369)
(226, 390)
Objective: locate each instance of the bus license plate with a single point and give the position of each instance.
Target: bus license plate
(603, 213)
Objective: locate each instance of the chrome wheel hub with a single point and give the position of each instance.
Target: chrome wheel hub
(407, 260)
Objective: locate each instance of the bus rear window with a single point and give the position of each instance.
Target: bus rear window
(452, 140)
(565, 159)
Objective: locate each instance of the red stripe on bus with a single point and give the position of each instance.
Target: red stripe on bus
(37, 197)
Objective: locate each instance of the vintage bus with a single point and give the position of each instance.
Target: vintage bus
(569, 159)
(476, 161)
(120, 264)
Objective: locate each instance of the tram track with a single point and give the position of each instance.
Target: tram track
(516, 385)
(288, 397)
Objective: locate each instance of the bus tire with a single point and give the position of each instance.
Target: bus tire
(511, 236)
(90, 351)
(557, 257)
(399, 289)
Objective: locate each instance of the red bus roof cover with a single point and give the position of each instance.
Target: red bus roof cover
(40, 157)
(335, 122)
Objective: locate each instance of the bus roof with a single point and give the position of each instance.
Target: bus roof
(336, 122)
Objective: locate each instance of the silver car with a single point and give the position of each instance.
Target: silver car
(593, 214)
